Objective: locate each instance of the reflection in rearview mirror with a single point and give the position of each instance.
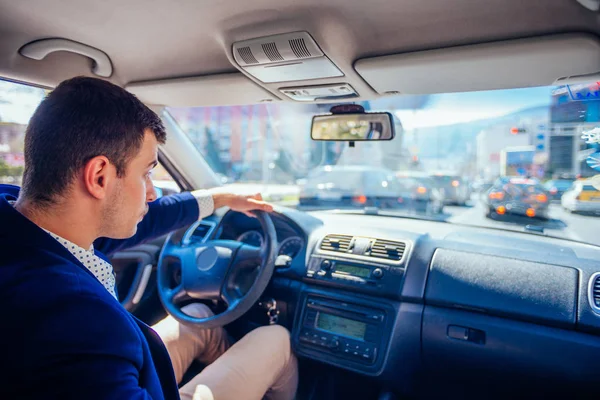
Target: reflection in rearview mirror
(353, 127)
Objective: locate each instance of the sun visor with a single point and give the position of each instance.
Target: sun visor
(530, 62)
(211, 90)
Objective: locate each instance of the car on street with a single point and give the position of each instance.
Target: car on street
(557, 187)
(454, 188)
(422, 191)
(353, 186)
(582, 197)
(517, 196)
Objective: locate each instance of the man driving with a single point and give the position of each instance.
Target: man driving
(87, 193)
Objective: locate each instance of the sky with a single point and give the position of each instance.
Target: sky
(18, 102)
(453, 108)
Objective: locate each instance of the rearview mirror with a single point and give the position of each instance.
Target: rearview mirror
(353, 127)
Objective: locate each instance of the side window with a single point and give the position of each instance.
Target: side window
(17, 104)
(164, 182)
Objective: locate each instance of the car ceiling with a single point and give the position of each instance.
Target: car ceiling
(153, 40)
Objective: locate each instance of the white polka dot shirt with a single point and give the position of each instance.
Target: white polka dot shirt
(101, 269)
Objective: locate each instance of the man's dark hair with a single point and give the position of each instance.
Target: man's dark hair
(82, 118)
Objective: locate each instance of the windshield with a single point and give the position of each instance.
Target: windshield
(461, 158)
(449, 152)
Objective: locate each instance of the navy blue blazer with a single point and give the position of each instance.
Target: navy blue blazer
(63, 335)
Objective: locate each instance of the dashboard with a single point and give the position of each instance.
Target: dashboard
(290, 246)
(420, 305)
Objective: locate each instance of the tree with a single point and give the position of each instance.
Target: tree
(8, 170)
(212, 153)
(4, 168)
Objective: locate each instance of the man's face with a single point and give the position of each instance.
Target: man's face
(128, 200)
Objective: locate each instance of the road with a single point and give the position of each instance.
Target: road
(582, 228)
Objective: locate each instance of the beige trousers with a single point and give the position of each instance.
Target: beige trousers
(260, 365)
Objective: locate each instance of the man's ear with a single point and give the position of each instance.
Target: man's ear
(97, 173)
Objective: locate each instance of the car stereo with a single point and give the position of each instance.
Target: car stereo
(347, 331)
(363, 275)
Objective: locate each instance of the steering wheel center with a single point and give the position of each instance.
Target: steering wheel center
(207, 258)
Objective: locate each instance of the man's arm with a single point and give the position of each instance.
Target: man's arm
(179, 210)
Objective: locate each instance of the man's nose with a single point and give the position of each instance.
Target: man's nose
(151, 193)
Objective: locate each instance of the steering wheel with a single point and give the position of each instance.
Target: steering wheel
(212, 271)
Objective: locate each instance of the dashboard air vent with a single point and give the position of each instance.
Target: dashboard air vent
(594, 293)
(339, 243)
(388, 249)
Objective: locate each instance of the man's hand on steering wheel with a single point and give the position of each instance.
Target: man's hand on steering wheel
(211, 271)
(242, 203)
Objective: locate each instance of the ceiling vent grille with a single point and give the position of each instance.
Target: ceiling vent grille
(246, 55)
(594, 294)
(338, 243)
(299, 48)
(285, 57)
(271, 51)
(388, 249)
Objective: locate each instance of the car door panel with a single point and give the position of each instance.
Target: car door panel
(135, 274)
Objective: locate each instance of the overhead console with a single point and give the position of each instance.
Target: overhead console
(293, 57)
(287, 57)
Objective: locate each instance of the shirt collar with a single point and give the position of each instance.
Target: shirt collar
(98, 266)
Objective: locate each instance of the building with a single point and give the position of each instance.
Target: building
(523, 128)
(574, 109)
(251, 142)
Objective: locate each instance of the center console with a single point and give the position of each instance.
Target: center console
(343, 331)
